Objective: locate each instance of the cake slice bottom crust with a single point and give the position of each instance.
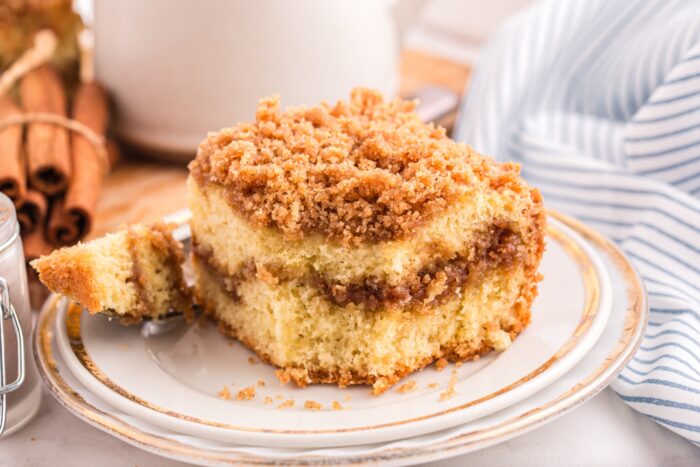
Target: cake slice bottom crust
(311, 340)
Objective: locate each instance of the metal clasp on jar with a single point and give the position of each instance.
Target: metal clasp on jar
(8, 313)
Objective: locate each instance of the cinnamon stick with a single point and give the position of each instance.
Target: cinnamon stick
(13, 181)
(34, 211)
(58, 231)
(31, 212)
(72, 219)
(47, 147)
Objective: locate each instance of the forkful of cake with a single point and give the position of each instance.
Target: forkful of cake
(134, 275)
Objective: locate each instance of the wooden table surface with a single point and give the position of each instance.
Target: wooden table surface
(140, 190)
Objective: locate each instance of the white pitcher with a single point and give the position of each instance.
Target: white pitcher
(180, 68)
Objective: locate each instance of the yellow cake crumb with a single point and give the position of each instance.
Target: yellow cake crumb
(407, 387)
(246, 394)
(441, 363)
(224, 393)
(288, 404)
(283, 376)
(337, 406)
(450, 391)
(313, 405)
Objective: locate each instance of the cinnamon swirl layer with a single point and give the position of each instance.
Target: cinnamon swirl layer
(434, 283)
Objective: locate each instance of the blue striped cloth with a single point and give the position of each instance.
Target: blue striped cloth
(600, 102)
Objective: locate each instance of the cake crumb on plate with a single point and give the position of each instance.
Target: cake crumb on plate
(246, 394)
(224, 394)
(288, 404)
(407, 387)
(313, 405)
(450, 391)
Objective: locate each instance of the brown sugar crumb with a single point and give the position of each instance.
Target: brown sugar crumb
(363, 170)
(224, 394)
(246, 394)
(268, 400)
(252, 360)
(441, 364)
(288, 404)
(337, 406)
(450, 391)
(406, 387)
(283, 376)
(261, 383)
(313, 405)
(433, 386)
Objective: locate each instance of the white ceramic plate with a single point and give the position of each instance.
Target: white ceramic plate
(171, 380)
(616, 346)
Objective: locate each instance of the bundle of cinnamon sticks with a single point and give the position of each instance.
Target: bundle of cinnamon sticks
(52, 174)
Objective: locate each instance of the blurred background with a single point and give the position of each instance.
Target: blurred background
(162, 73)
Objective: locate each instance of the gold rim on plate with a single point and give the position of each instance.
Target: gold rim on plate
(629, 341)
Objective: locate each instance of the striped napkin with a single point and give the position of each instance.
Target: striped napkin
(600, 101)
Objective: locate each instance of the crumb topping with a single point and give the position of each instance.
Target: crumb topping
(363, 170)
(441, 363)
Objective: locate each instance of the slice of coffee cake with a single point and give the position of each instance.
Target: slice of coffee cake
(352, 243)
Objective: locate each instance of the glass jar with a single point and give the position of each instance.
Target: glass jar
(20, 392)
